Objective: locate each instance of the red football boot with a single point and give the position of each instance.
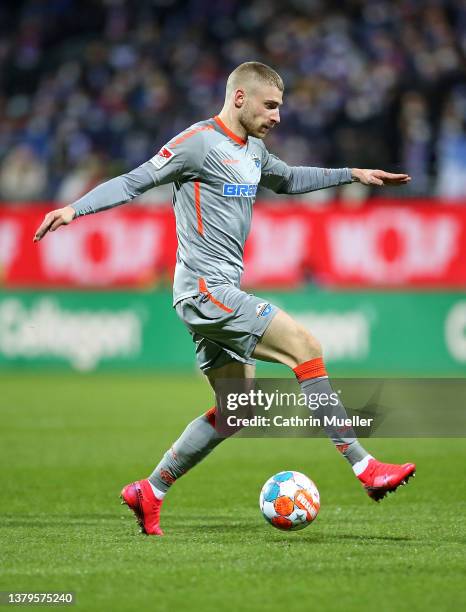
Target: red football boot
(140, 498)
(381, 478)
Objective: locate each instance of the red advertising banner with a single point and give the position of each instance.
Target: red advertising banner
(383, 244)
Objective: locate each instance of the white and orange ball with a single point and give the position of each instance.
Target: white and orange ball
(289, 501)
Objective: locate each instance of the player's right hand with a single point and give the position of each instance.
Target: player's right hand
(53, 220)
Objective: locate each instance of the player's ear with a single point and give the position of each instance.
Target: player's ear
(239, 98)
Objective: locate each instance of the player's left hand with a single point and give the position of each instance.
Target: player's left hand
(378, 177)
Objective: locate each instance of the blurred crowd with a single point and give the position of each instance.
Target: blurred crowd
(92, 88)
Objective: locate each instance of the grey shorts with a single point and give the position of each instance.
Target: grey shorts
(225, 324)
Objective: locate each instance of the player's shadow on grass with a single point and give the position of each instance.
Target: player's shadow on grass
(56, 520)
(323, 539)
(220, 523)
(310, 537)
(226, 528)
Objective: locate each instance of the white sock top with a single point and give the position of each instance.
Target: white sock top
(157, 492)
(360, 466)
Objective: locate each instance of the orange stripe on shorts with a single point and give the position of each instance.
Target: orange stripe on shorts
(203, 289)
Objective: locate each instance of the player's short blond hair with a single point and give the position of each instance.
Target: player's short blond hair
(253, 72)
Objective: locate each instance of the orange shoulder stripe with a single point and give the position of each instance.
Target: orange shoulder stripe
(190, 133)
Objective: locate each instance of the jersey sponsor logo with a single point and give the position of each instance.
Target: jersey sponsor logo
(162, 157)
(246, 190)
(230, 161)
(256, 160)
(263, 309)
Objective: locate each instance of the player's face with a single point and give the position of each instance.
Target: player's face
(261, 110)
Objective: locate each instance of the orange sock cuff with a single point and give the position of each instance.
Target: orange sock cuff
(210, 415)
(314, 368)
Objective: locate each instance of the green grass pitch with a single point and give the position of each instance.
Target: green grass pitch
(68, 443)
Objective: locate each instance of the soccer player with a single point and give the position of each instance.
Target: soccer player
(216, 166)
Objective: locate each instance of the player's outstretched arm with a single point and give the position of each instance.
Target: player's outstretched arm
(114, 192)
(378, 177)
(182, 156)
(281, 178)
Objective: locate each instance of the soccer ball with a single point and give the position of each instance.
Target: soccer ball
(289, 501)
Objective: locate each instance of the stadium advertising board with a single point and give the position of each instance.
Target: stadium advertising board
(380, 245)
(363, 333)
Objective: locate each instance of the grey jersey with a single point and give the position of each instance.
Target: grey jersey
(215, 175)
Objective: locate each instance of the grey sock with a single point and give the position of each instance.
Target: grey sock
(345, 441)
(196, 442)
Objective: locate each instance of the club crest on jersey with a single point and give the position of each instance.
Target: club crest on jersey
(263, 309)
(162, 157)
(245, 190)
(256, 160)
